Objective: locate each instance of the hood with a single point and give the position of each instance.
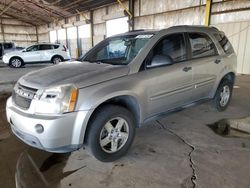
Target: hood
(81, 74)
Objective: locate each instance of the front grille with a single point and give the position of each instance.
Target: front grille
(22, 96)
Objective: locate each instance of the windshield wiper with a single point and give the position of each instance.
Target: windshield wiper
(97, 61)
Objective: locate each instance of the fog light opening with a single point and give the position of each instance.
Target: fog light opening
(39, 128)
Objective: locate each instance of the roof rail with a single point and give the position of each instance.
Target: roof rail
(138, 30)
(214, 28)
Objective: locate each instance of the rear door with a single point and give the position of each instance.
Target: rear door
(206, 64)
(46, 52)
(168, 75)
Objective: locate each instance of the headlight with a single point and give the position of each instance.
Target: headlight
(56, 100)
(5, 59)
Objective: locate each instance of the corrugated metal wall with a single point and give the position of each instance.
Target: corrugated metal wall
(233, 17)
(21, 33)
(239, 35)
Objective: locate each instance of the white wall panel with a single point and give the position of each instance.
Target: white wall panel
(43, 37)
(239, 35)
(230, 17)
(98, 14)
(145, 22)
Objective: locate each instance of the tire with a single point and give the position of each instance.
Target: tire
(223, 95)
(16, 62)
(108, 140)
(56, 59)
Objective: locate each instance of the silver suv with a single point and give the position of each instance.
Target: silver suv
(119, 85)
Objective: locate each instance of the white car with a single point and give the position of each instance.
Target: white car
(38, 53)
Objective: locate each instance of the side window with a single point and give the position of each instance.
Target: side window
(45, 47)
(32, 48)
(201, 45)
(56, 46)
(224, 42)
(169, 50)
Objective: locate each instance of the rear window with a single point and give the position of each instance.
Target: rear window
(8, 45)
(201, 45)
(45, 47)
(224, 42)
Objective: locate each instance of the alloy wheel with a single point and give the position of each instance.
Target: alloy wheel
(114, 135)
(224, 95)
(16, 63)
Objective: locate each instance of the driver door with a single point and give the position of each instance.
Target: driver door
(168, 75)
(32, 54)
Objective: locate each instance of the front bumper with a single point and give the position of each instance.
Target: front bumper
(5, 59)
(62, 133)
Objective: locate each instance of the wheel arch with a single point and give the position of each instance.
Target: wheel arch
(56, 55)
(127, 101)
(229, 76)
(18, 57)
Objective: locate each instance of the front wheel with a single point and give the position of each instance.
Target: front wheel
(223, 95)
(111, 133)
(16, 62)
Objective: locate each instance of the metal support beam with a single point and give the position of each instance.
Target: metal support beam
(67, 38)
(92, 27)
(131, 19)
(83, 15)
(78, 43)
(6, 8)
(57, 36)
(37, 37)
(125, 8)
(2, 30)
(208, 12)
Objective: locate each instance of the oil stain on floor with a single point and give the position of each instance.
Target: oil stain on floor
(225, 129)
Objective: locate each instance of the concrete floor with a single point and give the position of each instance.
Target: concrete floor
(179, 150)
(8, 76)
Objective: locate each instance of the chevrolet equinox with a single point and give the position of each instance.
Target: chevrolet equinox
(119, 85)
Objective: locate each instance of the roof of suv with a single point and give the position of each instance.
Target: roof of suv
(149, 31)
(47, 43)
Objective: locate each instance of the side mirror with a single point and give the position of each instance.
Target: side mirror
(160, 60)
(24, 50)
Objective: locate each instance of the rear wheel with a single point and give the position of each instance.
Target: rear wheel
(56, 59)
(223, 95)
(111, 133)
(16, 62)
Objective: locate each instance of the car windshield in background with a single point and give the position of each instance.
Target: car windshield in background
(118, 50)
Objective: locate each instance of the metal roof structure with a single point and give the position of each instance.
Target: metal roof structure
(38, 12)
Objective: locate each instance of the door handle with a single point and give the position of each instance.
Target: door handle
(217, 61)
(186, 69)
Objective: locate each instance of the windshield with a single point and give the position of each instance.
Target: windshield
(118, 50)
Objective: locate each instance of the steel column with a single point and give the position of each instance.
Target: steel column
(208, 12)
(131, 18)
